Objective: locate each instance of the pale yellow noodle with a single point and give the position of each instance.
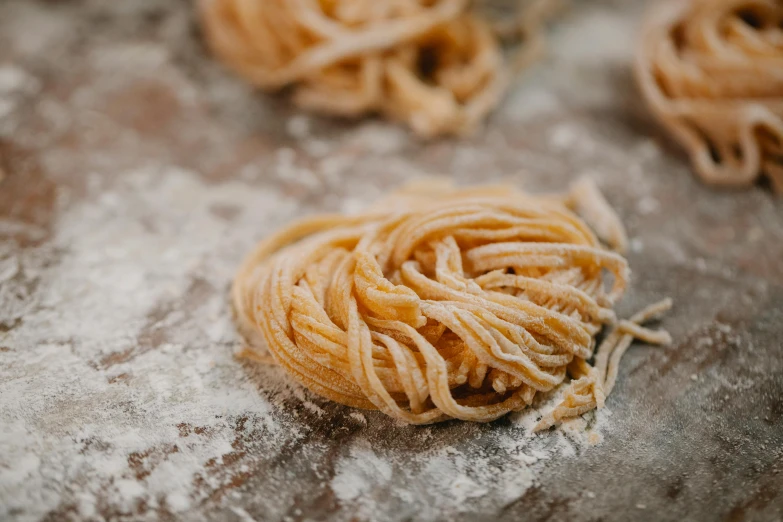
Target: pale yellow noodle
(712, 73)
(446, 303)
(433, 64)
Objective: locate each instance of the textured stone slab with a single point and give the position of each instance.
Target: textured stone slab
(136, 175)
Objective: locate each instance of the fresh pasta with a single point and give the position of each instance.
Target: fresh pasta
(446, 303)
(712, 73)
(433, 64)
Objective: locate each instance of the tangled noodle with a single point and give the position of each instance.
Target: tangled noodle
(712, 72)
(447, 303)
(431, 63)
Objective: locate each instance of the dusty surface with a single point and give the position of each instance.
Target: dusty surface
(136, 175)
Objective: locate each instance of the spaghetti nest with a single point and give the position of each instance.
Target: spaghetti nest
(712, 72)
(430, 63)
(444, 303)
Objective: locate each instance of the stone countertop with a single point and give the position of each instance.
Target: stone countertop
(137, 172)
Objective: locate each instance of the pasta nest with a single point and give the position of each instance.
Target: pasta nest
(446, 303)
(430, 63)
(712, 72)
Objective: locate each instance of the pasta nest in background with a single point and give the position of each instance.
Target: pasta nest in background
(712, 72)
(433, 64)
(445, 303)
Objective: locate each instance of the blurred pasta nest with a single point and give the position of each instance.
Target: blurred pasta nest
(447, 303)
(434, 64)
(712, 72)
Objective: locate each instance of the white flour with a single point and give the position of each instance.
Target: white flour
(125, 264)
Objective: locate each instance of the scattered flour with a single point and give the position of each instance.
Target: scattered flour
(358, 474)
(69, 421)
(478, 477)
(15, 80)
(243, 515)
(377, 138)
(298, 126)
(287, 170)
(359, 417)
(648, 205)
(609, 34)
(16, 86)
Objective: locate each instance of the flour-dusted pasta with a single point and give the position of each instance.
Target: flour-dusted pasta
(446, 303)
(712, 73)
(433, 64)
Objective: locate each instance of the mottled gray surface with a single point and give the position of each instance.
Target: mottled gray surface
(136, 175)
